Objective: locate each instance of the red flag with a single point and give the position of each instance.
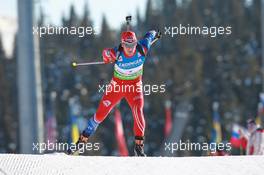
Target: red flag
(119, 133)
(238, 138)
(168, 118)
(243, 143)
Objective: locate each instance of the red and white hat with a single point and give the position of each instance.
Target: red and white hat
(128, 37)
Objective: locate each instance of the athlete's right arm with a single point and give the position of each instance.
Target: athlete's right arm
(109, 55)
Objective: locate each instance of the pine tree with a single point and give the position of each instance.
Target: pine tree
(148, 14)
(72, 23)
(106, 34)
(73, 20)
(152, 17)
(169, 9)
(86, 21)
(139, 25)
(64, 21)
(87, 43)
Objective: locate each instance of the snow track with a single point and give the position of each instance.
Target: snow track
(63, 164)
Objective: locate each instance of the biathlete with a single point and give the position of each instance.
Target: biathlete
(128, 59)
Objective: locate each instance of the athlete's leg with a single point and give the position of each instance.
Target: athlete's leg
(136, 102)
(108, 101)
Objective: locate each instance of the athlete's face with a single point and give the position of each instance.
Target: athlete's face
(129, 49)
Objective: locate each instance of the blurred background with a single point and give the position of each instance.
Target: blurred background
(212, 84)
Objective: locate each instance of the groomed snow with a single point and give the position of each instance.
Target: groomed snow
(63, 164)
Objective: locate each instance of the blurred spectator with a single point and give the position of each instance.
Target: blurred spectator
(255, 144)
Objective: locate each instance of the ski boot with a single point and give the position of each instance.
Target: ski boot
(139, 147)
(83, 139)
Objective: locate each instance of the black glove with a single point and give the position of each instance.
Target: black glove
(158, 34)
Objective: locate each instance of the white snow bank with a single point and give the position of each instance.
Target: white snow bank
(63, 164)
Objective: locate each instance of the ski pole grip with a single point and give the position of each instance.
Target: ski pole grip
(128, 19)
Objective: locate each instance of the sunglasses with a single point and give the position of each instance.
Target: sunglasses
(129, 45)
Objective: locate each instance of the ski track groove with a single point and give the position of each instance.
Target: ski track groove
(16, 164)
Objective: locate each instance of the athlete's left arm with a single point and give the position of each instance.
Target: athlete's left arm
(148, 39)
